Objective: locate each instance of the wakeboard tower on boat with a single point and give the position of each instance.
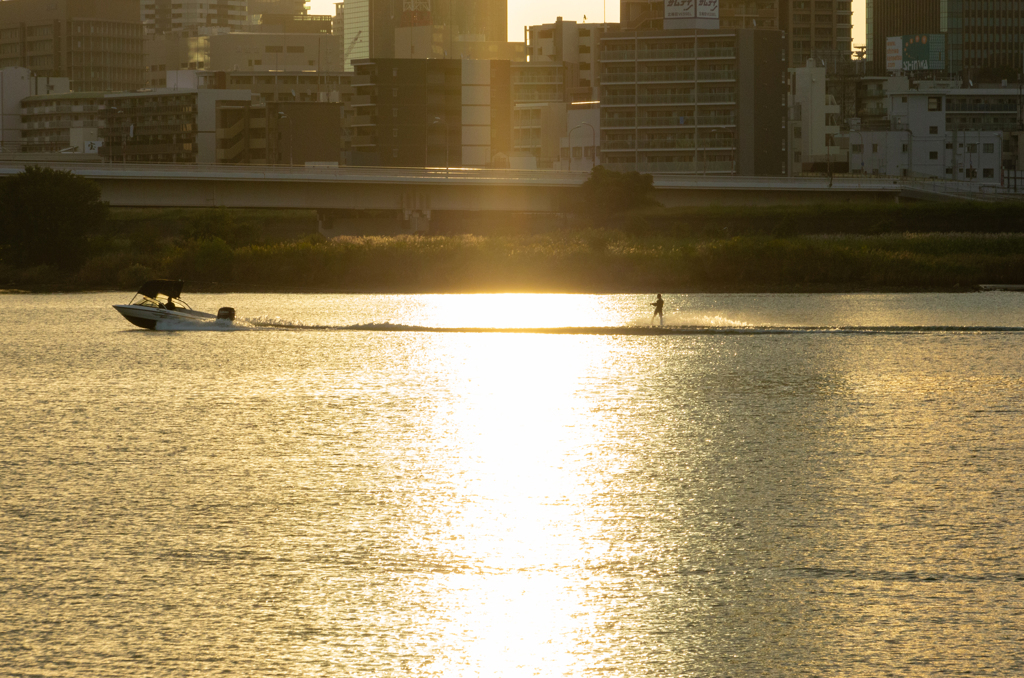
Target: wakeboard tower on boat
(160, 300)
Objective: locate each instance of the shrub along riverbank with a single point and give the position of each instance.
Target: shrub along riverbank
(576, 260)
(618, 240)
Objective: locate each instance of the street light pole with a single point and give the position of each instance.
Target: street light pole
(291, 137)
(438, 121)
(593, 142)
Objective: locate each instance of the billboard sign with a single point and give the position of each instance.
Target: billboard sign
(924, 52)
(680, 9)
(707, 9)
(916, 53)
(893, 54)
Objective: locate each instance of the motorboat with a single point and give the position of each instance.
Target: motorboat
(158, 305)
(1001, 288)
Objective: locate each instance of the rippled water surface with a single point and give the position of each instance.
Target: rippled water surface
(772, 485)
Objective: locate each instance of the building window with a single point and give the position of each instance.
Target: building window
(857, 148)
(934, 103)
(972, 148)
(989, 173)
(933, 129)
(797, 133)
(988, 148)
(905, 148)
(933, 155)
(874, 148)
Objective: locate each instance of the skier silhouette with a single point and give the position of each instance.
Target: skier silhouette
(658, 305)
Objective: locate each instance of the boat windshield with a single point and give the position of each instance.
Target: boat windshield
(160, 301)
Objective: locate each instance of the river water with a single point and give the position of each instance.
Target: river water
(774, 485)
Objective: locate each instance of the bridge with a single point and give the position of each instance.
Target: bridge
(416, 193)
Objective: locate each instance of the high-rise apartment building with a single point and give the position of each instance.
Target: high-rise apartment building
(814, 29)
(191, 16)
(705, 102)
(96, 44)
(984, 39)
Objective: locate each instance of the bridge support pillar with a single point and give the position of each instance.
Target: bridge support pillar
(416, 209)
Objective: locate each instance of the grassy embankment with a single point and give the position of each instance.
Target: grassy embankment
(909, 247)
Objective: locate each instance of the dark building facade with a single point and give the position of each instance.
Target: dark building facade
(699, 102)
(984, 40)
(430, 112)
(189, 16)
(488, 18)
(892, 18)
(96, 44)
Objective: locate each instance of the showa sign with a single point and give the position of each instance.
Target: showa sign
(916, 53)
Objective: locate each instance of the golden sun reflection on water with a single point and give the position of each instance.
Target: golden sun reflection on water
(519, 310)
(517, 444)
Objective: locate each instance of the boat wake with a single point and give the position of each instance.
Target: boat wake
(704, 326)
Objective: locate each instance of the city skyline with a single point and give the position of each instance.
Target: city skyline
(534, 12)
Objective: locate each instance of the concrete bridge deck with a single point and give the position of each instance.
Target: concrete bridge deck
(418, 192)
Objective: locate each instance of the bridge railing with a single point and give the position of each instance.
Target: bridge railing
(443, 176)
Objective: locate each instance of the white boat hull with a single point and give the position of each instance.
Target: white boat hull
(147, 316)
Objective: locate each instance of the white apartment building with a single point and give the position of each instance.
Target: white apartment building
(920, 145)
(813, 123)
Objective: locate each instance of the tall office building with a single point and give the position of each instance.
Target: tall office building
(818, 29)
(257, 8)
(96, 44)
(891, 18)
(370, 24)
(189, 16)
(984, 40)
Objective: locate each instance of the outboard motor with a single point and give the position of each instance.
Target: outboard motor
(226, 313)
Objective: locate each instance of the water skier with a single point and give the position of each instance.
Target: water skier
(658, 305)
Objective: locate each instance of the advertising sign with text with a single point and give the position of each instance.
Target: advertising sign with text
(680, 9)
(707, 9)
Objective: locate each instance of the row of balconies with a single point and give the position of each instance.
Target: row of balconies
(534, 79)
(655, 99)
(669, 121)
(668, 76)
(664, 54)
(60, 124)
(626, 164)
(667, 144)
(137, 149)
(965, 107)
